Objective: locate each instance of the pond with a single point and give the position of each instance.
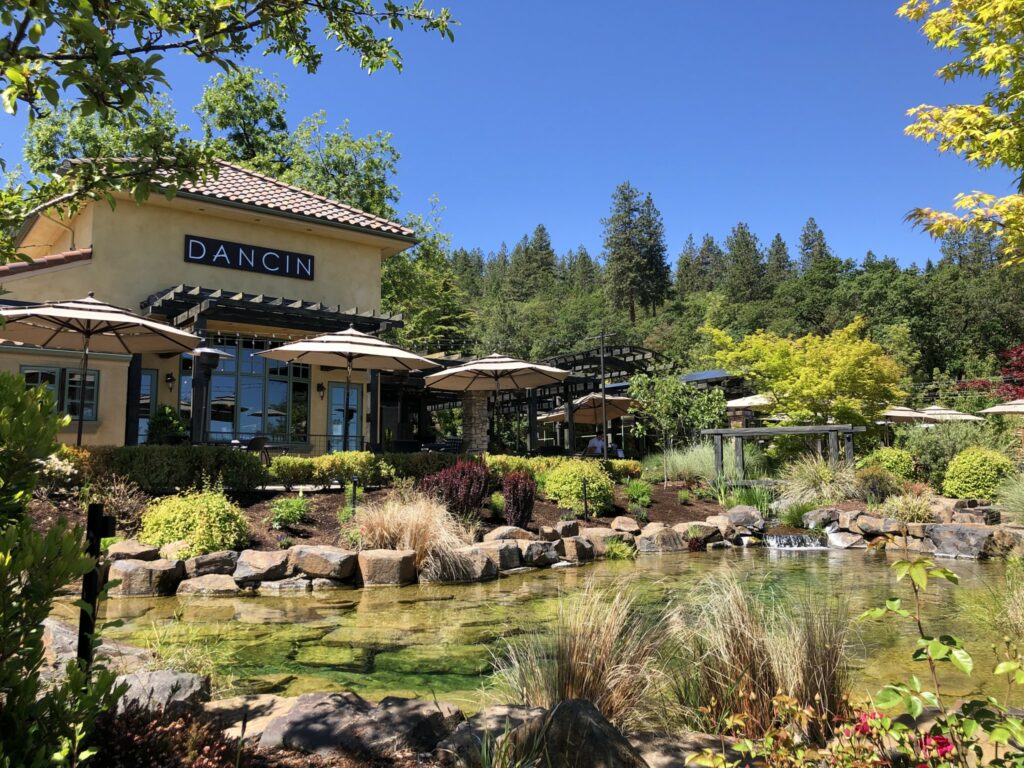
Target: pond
(438, 640)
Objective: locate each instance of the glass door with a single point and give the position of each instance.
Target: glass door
(147, 402)
(344, 404)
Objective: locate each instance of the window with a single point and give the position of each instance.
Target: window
(66, 385)
(345, 405)
(147, 401)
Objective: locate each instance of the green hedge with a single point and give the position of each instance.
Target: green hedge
(160, 469)
(976, 473)
(499, 465)
(419, 465)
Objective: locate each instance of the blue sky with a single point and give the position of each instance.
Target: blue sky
(761, 112)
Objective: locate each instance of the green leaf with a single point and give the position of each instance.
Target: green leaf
(888, 697)
(1005, 667)
(962, 660)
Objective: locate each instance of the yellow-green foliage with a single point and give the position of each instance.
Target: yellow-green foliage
(909, 508)
(976, 473)
(500, 464)
(563, 485)
(623, 470)
(813, 479)
(896, 461)
(207, 520)
(340, 468)
(290, 471)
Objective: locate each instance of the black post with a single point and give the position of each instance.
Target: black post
(569, 423)
(833, 447)
(719, 457)
(355, 484)
(97, 526)
(531, 415)
(203, 366)
(131, 421)
(848, 447)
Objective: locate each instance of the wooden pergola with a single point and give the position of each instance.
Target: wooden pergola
(739, 434)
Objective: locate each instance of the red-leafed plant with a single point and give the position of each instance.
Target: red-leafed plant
(520, 491)
(1012, 374)
(462, 488)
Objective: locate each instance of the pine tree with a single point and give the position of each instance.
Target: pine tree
(817, 309)
(582, 273)
(468, 267)
(655, 272)
(687, 277)
(531, 266)
(779, 266)
(624, 259)
(711, 263)
(743, 279)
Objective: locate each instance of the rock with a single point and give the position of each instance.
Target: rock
(745, 516)
(600, 537)
(961, 504)
(969, 518)
(223, 562)
(165, 689)
(725, 528)
(387, 567)
(821, 518)
(60, 645)
(665, 540)
(174, 550)
(509, 532)
(567, 528)
(254, 565)
(322, 562)
(917, 530)
(537, 553)
(701, 531)
(960, 540)
(1006, 541)
(848, 520)
(503, 553)
(626, 525)
(344, 723)
(651, 528)
(145, 578)
(574, 734)
(911, 544)
(547, 533)
(845, 540)
(462, 747)
(212, 584)
(468, 564)
(294, 585)
(255, 710)
(664, 750)
(326, 585)
(576, 549)
(130, 549)
(869, 525)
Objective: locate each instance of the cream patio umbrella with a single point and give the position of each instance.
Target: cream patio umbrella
(938, 413)
(352, 349)
(89, 325)
(1009, 408)
(902, 414)
(588, 409)
(495, 372)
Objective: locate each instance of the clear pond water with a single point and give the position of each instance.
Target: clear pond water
(438, 640)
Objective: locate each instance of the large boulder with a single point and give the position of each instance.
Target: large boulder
(576, 549)
(704, 532)
(537, 553)
(210, 585)
(223, 562)
(567, 528)
(145, 578)
(574, 734)
(822, 517)
(60, 645)
(165, 689)
(626, 525)
(1006, 541)
(665, 540)
(725, 528)
(130, 549)
(745, 516)
(296, 585)
(848, 520)
(846, 540)
(504, 553)
(322, 562)
(387, 567)
(870, 525)
(652, 528)
(509, 532)
(468, 564)
(549, 533)
(256, 566)
(344, 723)
(462, 748)
(600, 537)
(911, 544)
(970, 541)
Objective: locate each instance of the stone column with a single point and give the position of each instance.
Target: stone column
(474, 422)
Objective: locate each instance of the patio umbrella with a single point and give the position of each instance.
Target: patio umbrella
(495, 372)
(902, 414)
(752, 402)
(588, 410)
(938, 413)
(353, 349)
(89, 325)
(1010, 408)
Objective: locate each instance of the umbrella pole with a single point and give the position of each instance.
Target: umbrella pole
(81, 389)
(344, 427)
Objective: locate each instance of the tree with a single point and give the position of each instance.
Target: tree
(531, 269)
(624, 261)
(985, 40)
(669, 407)
(812, 297)
(778, 265)
(655, 273)
(101, 58)
(840, 376)
(743, 280)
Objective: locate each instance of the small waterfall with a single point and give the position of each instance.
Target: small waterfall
(795, 541)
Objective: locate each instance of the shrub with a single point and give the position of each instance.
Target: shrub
(348, 509)
(500, 464)
(158, 469)
(618, 549)
(291, 471)
(417, 465)
(622, 470)
(638, 492)
(909, 508)
(896, 461)
(286, 512)
(166, 427)
(541, 465)
(462, 487)
(564, 486)
(496, 503)
(935, 447)
(340, 467)
(519, 491)
(683, 497)
(422, 524)
(976, 473)
(1011, 497)
(816, 479)
(123, 499)
(206, 519)
(602, 648)
(876, 483)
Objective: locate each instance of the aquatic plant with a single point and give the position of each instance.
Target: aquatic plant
(617, 549)
(812, 478)
(1010, 599)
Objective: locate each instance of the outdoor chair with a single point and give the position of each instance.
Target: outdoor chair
(257, 445)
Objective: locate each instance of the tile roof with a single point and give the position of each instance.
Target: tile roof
(240, 185)
(44, 262)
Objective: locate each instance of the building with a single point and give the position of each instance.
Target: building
(242, 260)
